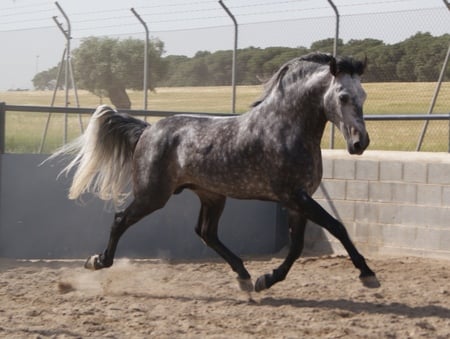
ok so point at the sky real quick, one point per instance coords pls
(32, 41)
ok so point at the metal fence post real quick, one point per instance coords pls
(2, 127)
(449, 133)
(335, 45)
(145, 84)
(68, 35)
(233, 66)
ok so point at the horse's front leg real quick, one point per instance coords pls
(212, 206)
(297, 224)
(316, 213)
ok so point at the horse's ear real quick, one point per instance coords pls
(365, 62)
(360, 66)
(333, 66)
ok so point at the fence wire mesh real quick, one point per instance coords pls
(395, 88)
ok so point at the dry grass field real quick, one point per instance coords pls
(24, 130)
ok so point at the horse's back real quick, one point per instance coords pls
(190, 133)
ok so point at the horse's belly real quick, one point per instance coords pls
(238, 187)
(249, 191)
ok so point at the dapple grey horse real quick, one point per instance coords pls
(270, 153)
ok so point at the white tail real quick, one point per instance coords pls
(103, 155)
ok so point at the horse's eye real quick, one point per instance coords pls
(344, 98)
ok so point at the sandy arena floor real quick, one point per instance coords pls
(322, 297)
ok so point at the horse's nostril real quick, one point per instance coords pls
(358, 148)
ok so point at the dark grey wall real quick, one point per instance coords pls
(38, 221)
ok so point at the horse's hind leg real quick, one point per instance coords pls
(297, 224)
(122, 221)
(212, 206)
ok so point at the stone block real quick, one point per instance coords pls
(429, 195)
(440, 217)
(446, 196)
(344, 169)
(415, 172)
(390, 214)
(433, 216)
(404, 193)
(391, 171)
(395, 234)
(361, 232)
(357, 190)
(380, 191)
(331, 189)
(367, 170)
(444, 241)
(439, 173)
(344, 210)
(366, 212)
(327, 165)
(426, 238)
(411, 215)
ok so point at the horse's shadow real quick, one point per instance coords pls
(359, 307)
(330, 304)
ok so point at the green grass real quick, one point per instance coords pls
(24, 130)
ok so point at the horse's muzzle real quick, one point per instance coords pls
(358, 143)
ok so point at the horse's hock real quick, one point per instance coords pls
(390, 202)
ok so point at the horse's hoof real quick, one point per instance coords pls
(261, 283)
(370, 281)
(93, 263)
(245, 285)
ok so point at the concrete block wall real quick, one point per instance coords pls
(390, 202)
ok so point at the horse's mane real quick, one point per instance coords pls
(307, 64)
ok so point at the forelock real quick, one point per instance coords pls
(349, 65)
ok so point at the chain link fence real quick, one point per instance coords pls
(401, 135)
(302, 28)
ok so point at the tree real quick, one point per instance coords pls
(106, 66)
(220, 67)
(109, 66)
(46, 79)
(326, 45)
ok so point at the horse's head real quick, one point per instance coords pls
(343, 102)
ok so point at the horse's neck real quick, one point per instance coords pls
(303, 118)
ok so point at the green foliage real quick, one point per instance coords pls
(418, 58)
(103, 62)
(108, 66)
(46, 79)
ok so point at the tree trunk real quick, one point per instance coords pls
(119, 97)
